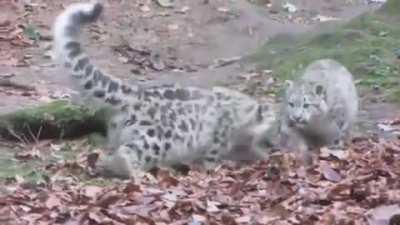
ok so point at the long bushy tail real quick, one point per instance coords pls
(68, 51)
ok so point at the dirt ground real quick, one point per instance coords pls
(140, 41)
(192, 43)
(196, 43)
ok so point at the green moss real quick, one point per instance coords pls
(59, 119)
(55, 120)
(101, 182)
(391, 7)
(10, 168)
(97, 139)
(366, 46)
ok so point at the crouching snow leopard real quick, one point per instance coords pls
(164, 125)
(320, 108)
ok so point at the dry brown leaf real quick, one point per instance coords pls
(91, 191)
(228, 219)
(329, 173)
(109, 198)
(53, 201)
(334, 191)
(33, 153)
(165, 179)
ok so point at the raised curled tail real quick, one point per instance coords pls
(68, 50)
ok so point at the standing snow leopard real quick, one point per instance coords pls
(164, 125)
(320, 108)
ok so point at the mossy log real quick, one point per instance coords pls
(59, 119)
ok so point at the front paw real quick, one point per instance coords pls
(210, 165)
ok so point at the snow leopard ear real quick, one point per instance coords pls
(288, 84)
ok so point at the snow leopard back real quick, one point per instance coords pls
(160, 125)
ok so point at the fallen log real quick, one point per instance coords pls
(59, 119)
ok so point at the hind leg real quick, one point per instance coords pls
(221, 143)
(213, 154)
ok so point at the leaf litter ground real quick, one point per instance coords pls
(358, 186)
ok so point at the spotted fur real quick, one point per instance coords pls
(321, 106)
(163, 125)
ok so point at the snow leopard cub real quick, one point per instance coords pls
(164, 125)
(320, 108)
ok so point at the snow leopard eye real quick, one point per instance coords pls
(291, 104)
(306, 105)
